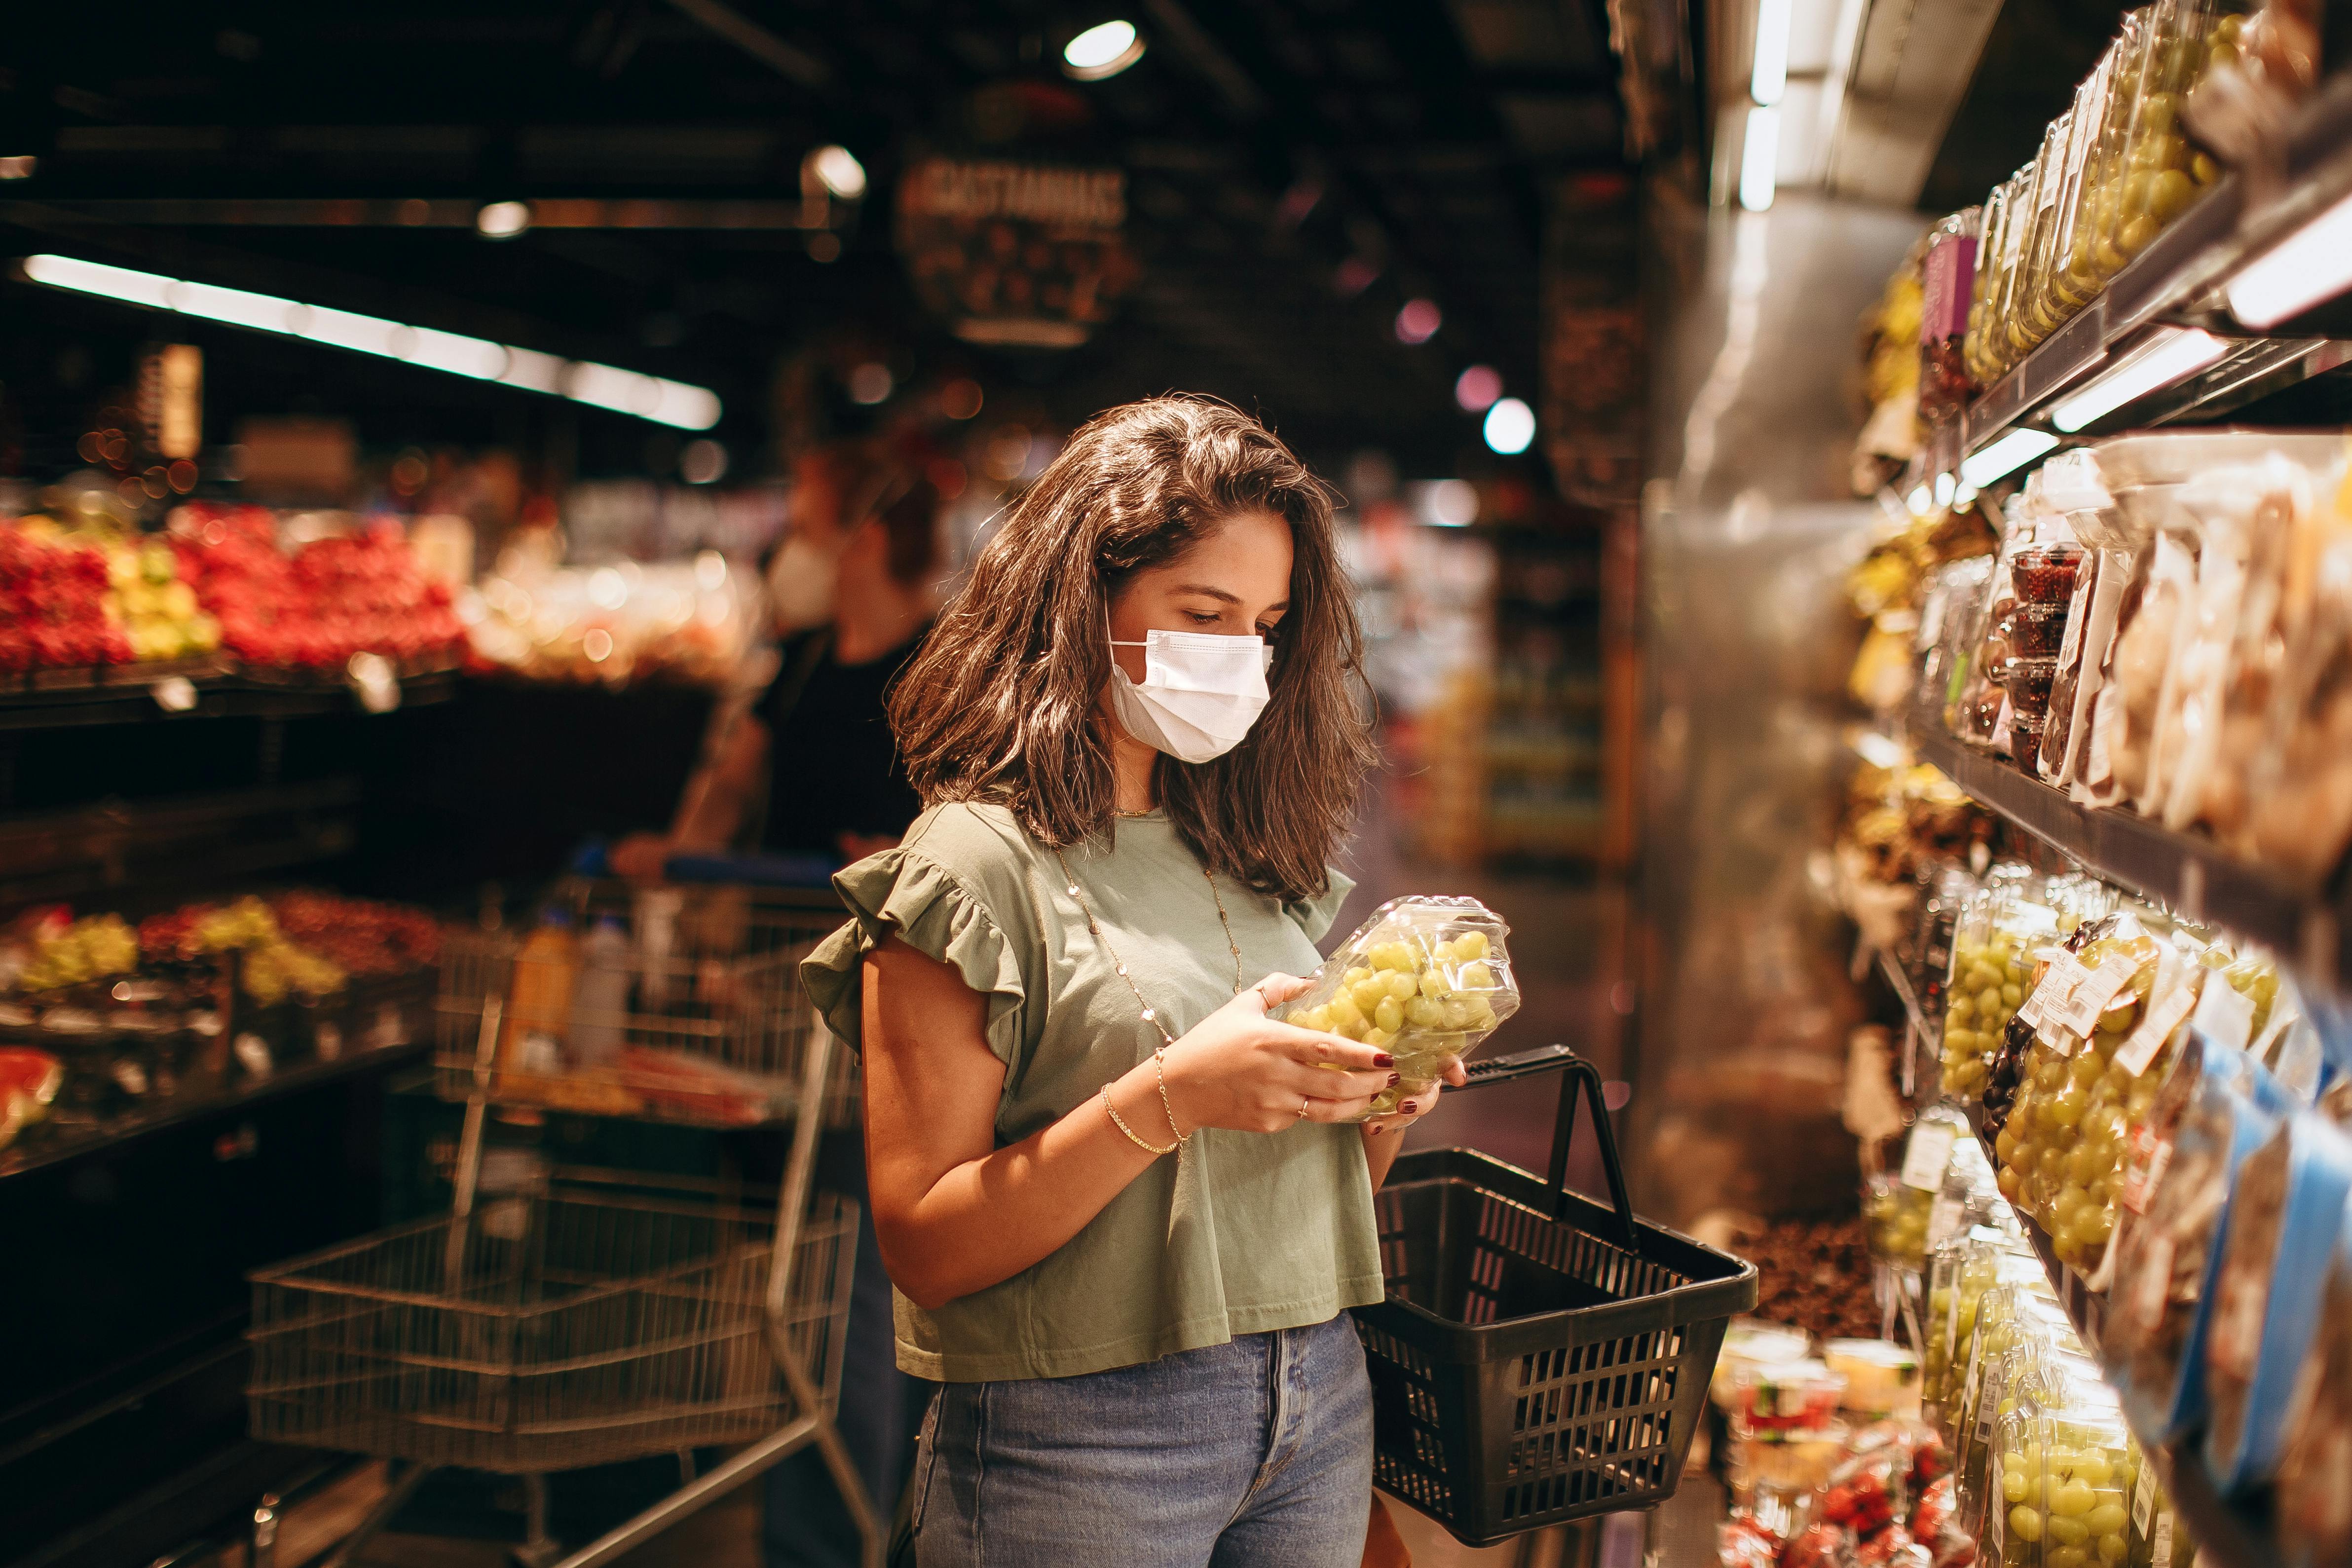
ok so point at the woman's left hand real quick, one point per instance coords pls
(1416, 1106)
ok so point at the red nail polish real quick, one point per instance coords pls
(1395, 1078)
(1384, 1060)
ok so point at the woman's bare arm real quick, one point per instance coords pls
(955, 1214)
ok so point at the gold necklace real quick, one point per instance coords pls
(1094, 929)
(1151, 1014)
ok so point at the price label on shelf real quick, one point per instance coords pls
(2163, 1545)
(2058, 983)
(2144, 1498)
(1943, 1219)
(1928, 1156)
(2097, 990)
(2166, 1014)
(2225, 1013)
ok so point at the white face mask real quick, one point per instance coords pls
(801, 582)
(1200, 694)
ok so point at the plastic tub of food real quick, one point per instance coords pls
(2045, 573)
(1881, 1379)
(2039, 631)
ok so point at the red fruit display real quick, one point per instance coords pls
(53, 603)
(314, 608)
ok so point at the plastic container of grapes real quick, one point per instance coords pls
(1425, 979)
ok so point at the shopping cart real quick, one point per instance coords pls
(600, 1316)
(1540, 1357)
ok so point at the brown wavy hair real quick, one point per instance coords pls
(1002, 704)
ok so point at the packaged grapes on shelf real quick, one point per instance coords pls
(2286, 1213)
(2062, 1147)
(1898, 1205)
(2161, 1303)
(2063, 1475)
(1994, 950)
(1425, 979)
(2019, 1325)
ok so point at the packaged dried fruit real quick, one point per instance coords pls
(1947, 276)
(2313, 1490)
(2298, 784)
(2161, 1306)
(1425, 979)
(2283, 1217)
(1978, 350)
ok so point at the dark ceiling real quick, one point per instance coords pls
(1269, 144)
(2038, 51)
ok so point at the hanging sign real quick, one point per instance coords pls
(1016, 253)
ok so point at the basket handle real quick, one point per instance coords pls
(1577, 1074)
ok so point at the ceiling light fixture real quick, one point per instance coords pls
(839, 172)
(664, 402)
(2006, 455)
(1768, 77)
(2171, 355)
(1102, 51)
(1510, 426)
(2311, 265)
(502, 220)
(1760, 157)
(1475, 389)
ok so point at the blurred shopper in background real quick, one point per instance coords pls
(812, 768)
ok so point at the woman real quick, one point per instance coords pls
(1125, 1210)
(852, 590)
(812, 769)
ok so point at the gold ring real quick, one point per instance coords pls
(1303, 1101)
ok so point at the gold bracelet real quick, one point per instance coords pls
(1159, 1066)
(1120, 1122)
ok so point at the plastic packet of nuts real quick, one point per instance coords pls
(1425, 979)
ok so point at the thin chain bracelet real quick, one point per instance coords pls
(1120, 1122)
(1159, 1066)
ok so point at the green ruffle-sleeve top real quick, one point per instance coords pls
(1245, 1232)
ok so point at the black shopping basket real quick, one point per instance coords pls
(1540, 1357)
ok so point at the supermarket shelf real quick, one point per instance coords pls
(2177, 281)
(195, 688)
(2192, 876)
(2227, 1536)
(201, 1096)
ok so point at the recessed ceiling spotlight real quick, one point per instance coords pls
(1510, 426)
(839, 169)
(502, 220)
(1102, 50)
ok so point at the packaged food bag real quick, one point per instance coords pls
(1425, 979)
(2286, 1211)
(2161, 1306)
(2313, 1492)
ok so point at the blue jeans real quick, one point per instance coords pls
(1254, 1454)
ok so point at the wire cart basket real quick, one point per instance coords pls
(1540, 1357)
(603, 1316)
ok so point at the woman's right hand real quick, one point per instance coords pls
(1240, 1069)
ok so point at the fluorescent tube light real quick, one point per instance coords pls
(1759, 156)
(2312, 264)
(2008, 455)
(2172, 355)
(478, 359)
(1769, 79)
